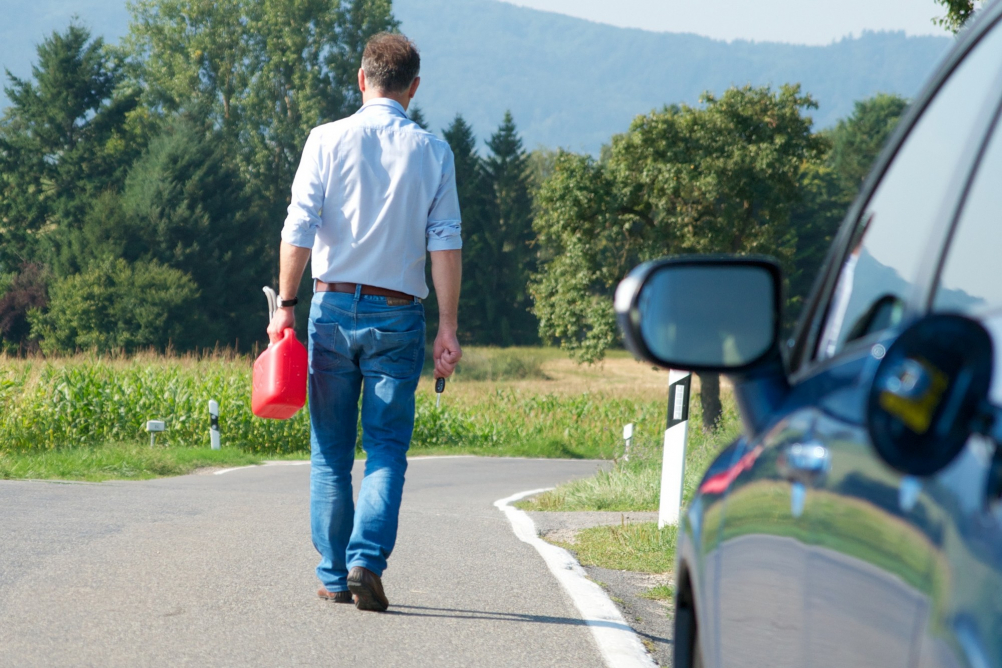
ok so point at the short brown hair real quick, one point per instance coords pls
(391, 62)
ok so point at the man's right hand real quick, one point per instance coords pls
(447, 353)
(282, 320)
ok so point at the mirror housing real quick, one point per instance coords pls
(702, 313)
(930, 393)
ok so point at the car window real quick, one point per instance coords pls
(968, 282)
(888, 245)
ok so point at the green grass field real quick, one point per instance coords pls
(635, 485)
(83, 417)
(118, 461)
(640, 547)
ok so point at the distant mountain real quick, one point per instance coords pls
(574, 83)
(569, 82)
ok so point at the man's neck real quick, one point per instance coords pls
(403, 99)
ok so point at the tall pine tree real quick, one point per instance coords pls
(63, 141)
(470, 184)
(417, 116)
(506, 259)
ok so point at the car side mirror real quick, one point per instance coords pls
(702, 313)
(930, 393)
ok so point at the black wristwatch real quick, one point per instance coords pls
(285, 303)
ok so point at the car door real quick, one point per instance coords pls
(874, 535)
(965, 624)
(761, 556)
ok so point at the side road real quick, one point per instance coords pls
(218, 570)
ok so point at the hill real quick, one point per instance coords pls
(569, 82)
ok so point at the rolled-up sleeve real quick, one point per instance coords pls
(444, 229)
(301, 224)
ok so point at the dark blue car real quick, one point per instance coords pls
(858, 521)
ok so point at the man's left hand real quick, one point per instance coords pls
(447, 353)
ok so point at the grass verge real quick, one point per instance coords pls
(660, 593)
(636, 485)
(117, 461)
(641, 547)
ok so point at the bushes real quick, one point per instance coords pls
(19, 294)
(118, 306)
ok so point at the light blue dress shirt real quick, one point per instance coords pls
(372, 192)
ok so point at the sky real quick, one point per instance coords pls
(792, 21)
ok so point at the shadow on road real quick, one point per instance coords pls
(455, 613)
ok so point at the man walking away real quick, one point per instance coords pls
(371, 193)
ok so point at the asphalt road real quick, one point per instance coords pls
(219, 570)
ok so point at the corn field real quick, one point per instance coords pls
(88, 400)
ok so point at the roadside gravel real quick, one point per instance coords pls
(652, 620)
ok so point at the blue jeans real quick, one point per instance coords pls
(360, 345)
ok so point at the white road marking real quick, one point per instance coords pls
(292, 462)
(619, 644)
(426, 457)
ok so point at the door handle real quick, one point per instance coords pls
(804, 463)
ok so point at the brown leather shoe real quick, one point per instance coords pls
(336, 596)
(368, 590)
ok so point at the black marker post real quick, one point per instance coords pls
(676, 438)
(214, 424)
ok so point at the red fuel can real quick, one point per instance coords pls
(280, 379)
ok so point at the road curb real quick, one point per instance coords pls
(619, 644)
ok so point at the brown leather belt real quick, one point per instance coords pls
(366, 290)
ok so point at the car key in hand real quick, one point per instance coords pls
(439, 389)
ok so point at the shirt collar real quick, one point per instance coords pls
(385, 102)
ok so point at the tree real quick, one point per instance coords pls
(192, 56)
(957, 13)
(585, 249)
(263, 72)
(470, 189)
(497, 233)
(118, 306)
(417, 116)
(720, 178)
(65, 139)
(184, 206)
(858, 140)
(503, 259)
(21, 293)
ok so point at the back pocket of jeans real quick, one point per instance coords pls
(396, 354)
(323, 345)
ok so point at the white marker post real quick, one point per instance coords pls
(214, 424)
(628, 437)
(155, 427)
(676, 437)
